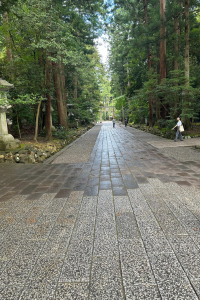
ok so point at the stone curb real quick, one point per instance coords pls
(52, 158)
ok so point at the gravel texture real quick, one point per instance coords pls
(81, 149)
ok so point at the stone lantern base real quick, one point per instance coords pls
(7, 142)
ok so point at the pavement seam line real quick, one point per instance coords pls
(119, 255)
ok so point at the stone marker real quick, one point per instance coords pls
(7, 141)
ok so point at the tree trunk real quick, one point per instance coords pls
(176, 63)
(162, 52)
(149, 68)
(48, 134)
(20, 136)
(7, 38)
(75, 88)
(176, 42)
(36, 121)
(64, 96)
(59, 95)
(187, 62)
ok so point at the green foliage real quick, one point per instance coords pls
(63, 32)
(132, 38)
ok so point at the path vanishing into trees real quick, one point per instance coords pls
(123, 223)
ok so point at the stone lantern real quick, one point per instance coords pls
(7, 141)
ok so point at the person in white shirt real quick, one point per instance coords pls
(178, 133)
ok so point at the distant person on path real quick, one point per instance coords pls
(178, 133)
(113, 123)
(120, 122)
(126, 122)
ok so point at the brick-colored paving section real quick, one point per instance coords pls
(124, 225)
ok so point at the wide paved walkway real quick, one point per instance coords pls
(124, 225)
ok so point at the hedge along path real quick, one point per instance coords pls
(81, 149)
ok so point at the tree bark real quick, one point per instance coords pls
(176, 42)
(149, 68)
(162, 52)
(36, 121)
(7, 38)
(187, 62)
(48, 134)
(75, 88)
(59, 95)
(64, 96)
(20, 136)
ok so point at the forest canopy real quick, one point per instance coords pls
(155, 60)
(47, 50)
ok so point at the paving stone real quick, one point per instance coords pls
(55, 207)
(134, 262)
(19, 268)
(29, 189)
(119, 191)
(131, 185)
(116, 181)
(10, 292)
(43, 279)
(156, 242)
(169, 290)
(106, 280)
(142, 292)
(188, 255)
(106, 245)
(63, 193)
(171, 278)
(105, 185)
(78, 260)
(13, 202)
(128, 215)
(91, 191)
(84, 226)
(192, 227)
(122, 204)
(126, 226)
(196, 286)
(58, 241)
(72, 291)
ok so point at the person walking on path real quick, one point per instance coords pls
(178, 133)
(125, 122)
(113, 123)
(120, 122)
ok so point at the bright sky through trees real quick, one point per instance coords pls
(102, 46)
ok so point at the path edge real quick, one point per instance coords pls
(50, 159)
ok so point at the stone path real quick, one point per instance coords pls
(181, 151)
(124, 225)
(80, 150)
